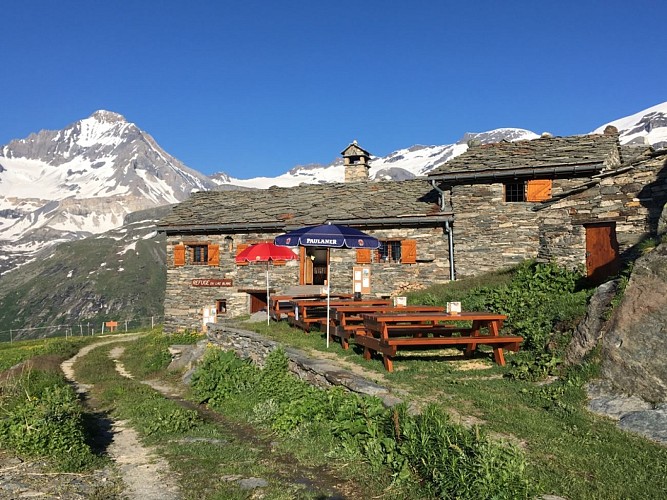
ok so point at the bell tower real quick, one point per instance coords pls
(356, 162)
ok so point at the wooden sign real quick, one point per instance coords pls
(212, 282)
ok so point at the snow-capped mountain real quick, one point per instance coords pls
(60, 185)
(646, 127)
(400, 165)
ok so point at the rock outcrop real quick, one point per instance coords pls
(589, 332)
(634, 345)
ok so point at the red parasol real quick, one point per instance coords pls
(265, 252)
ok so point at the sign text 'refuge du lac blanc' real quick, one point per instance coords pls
(212, 282)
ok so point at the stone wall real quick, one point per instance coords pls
(489, 233)
(184, 302)
(318, 372)
(633, 199)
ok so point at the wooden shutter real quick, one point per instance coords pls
(239, 248)
(279, 262)
(179, 255)
(214, 255)
(538, 190)
(363, 255)
(408, 251)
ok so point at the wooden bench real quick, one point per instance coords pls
(385, 333)
(282, 306)
(311, 312)
(348, 320)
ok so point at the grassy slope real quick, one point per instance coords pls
(571, 452)
(72, 287)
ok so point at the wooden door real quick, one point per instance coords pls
(306, 267)
(257, 302)
(601, 251)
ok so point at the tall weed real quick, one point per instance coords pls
(425, 451)
(41, 416)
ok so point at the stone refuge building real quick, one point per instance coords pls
(581, 201)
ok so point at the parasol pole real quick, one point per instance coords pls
(328, 294)
(267, 291)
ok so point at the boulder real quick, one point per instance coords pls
(634, 345)
(590, 330)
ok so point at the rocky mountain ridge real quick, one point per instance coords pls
(68, 184)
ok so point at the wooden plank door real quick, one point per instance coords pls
(306, 267)
(601, 251)
(257, 302)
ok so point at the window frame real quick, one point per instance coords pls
(391, 251)
(512, 191)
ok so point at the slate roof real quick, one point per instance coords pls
(366, 203)
(593, 149)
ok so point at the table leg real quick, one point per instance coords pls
(367, 353)
(471, 347)
(388, 362)
(498, 356)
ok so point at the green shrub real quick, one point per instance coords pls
(41, 416)
(223, 374)
(456, 462)
(426, 451)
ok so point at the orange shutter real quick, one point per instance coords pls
(538, 190)
(304, 261)
(214, 255)
(409, 252)
(239, 248)
(279, 262)
(363, 255)
(179, 255)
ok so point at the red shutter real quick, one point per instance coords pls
(214, 255)
(538, 190)
(179, 255)
(363, 255)
(409, 252)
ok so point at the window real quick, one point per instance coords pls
(196, 254)
(390, 251)
(514, 192)
(199, 254)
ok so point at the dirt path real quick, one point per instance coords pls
(146, 475)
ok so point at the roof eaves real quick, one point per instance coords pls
(551, 171)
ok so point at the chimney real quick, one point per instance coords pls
(356, 162)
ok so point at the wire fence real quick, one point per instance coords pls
(87, 328)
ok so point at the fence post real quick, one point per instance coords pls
(125, 326)
(10, 336)
(102, 328)
(152, 324)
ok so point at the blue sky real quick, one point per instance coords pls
(257, 87)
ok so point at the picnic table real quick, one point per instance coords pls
(348, 320)
(282, 305)
(386, 332)
(310, 312)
